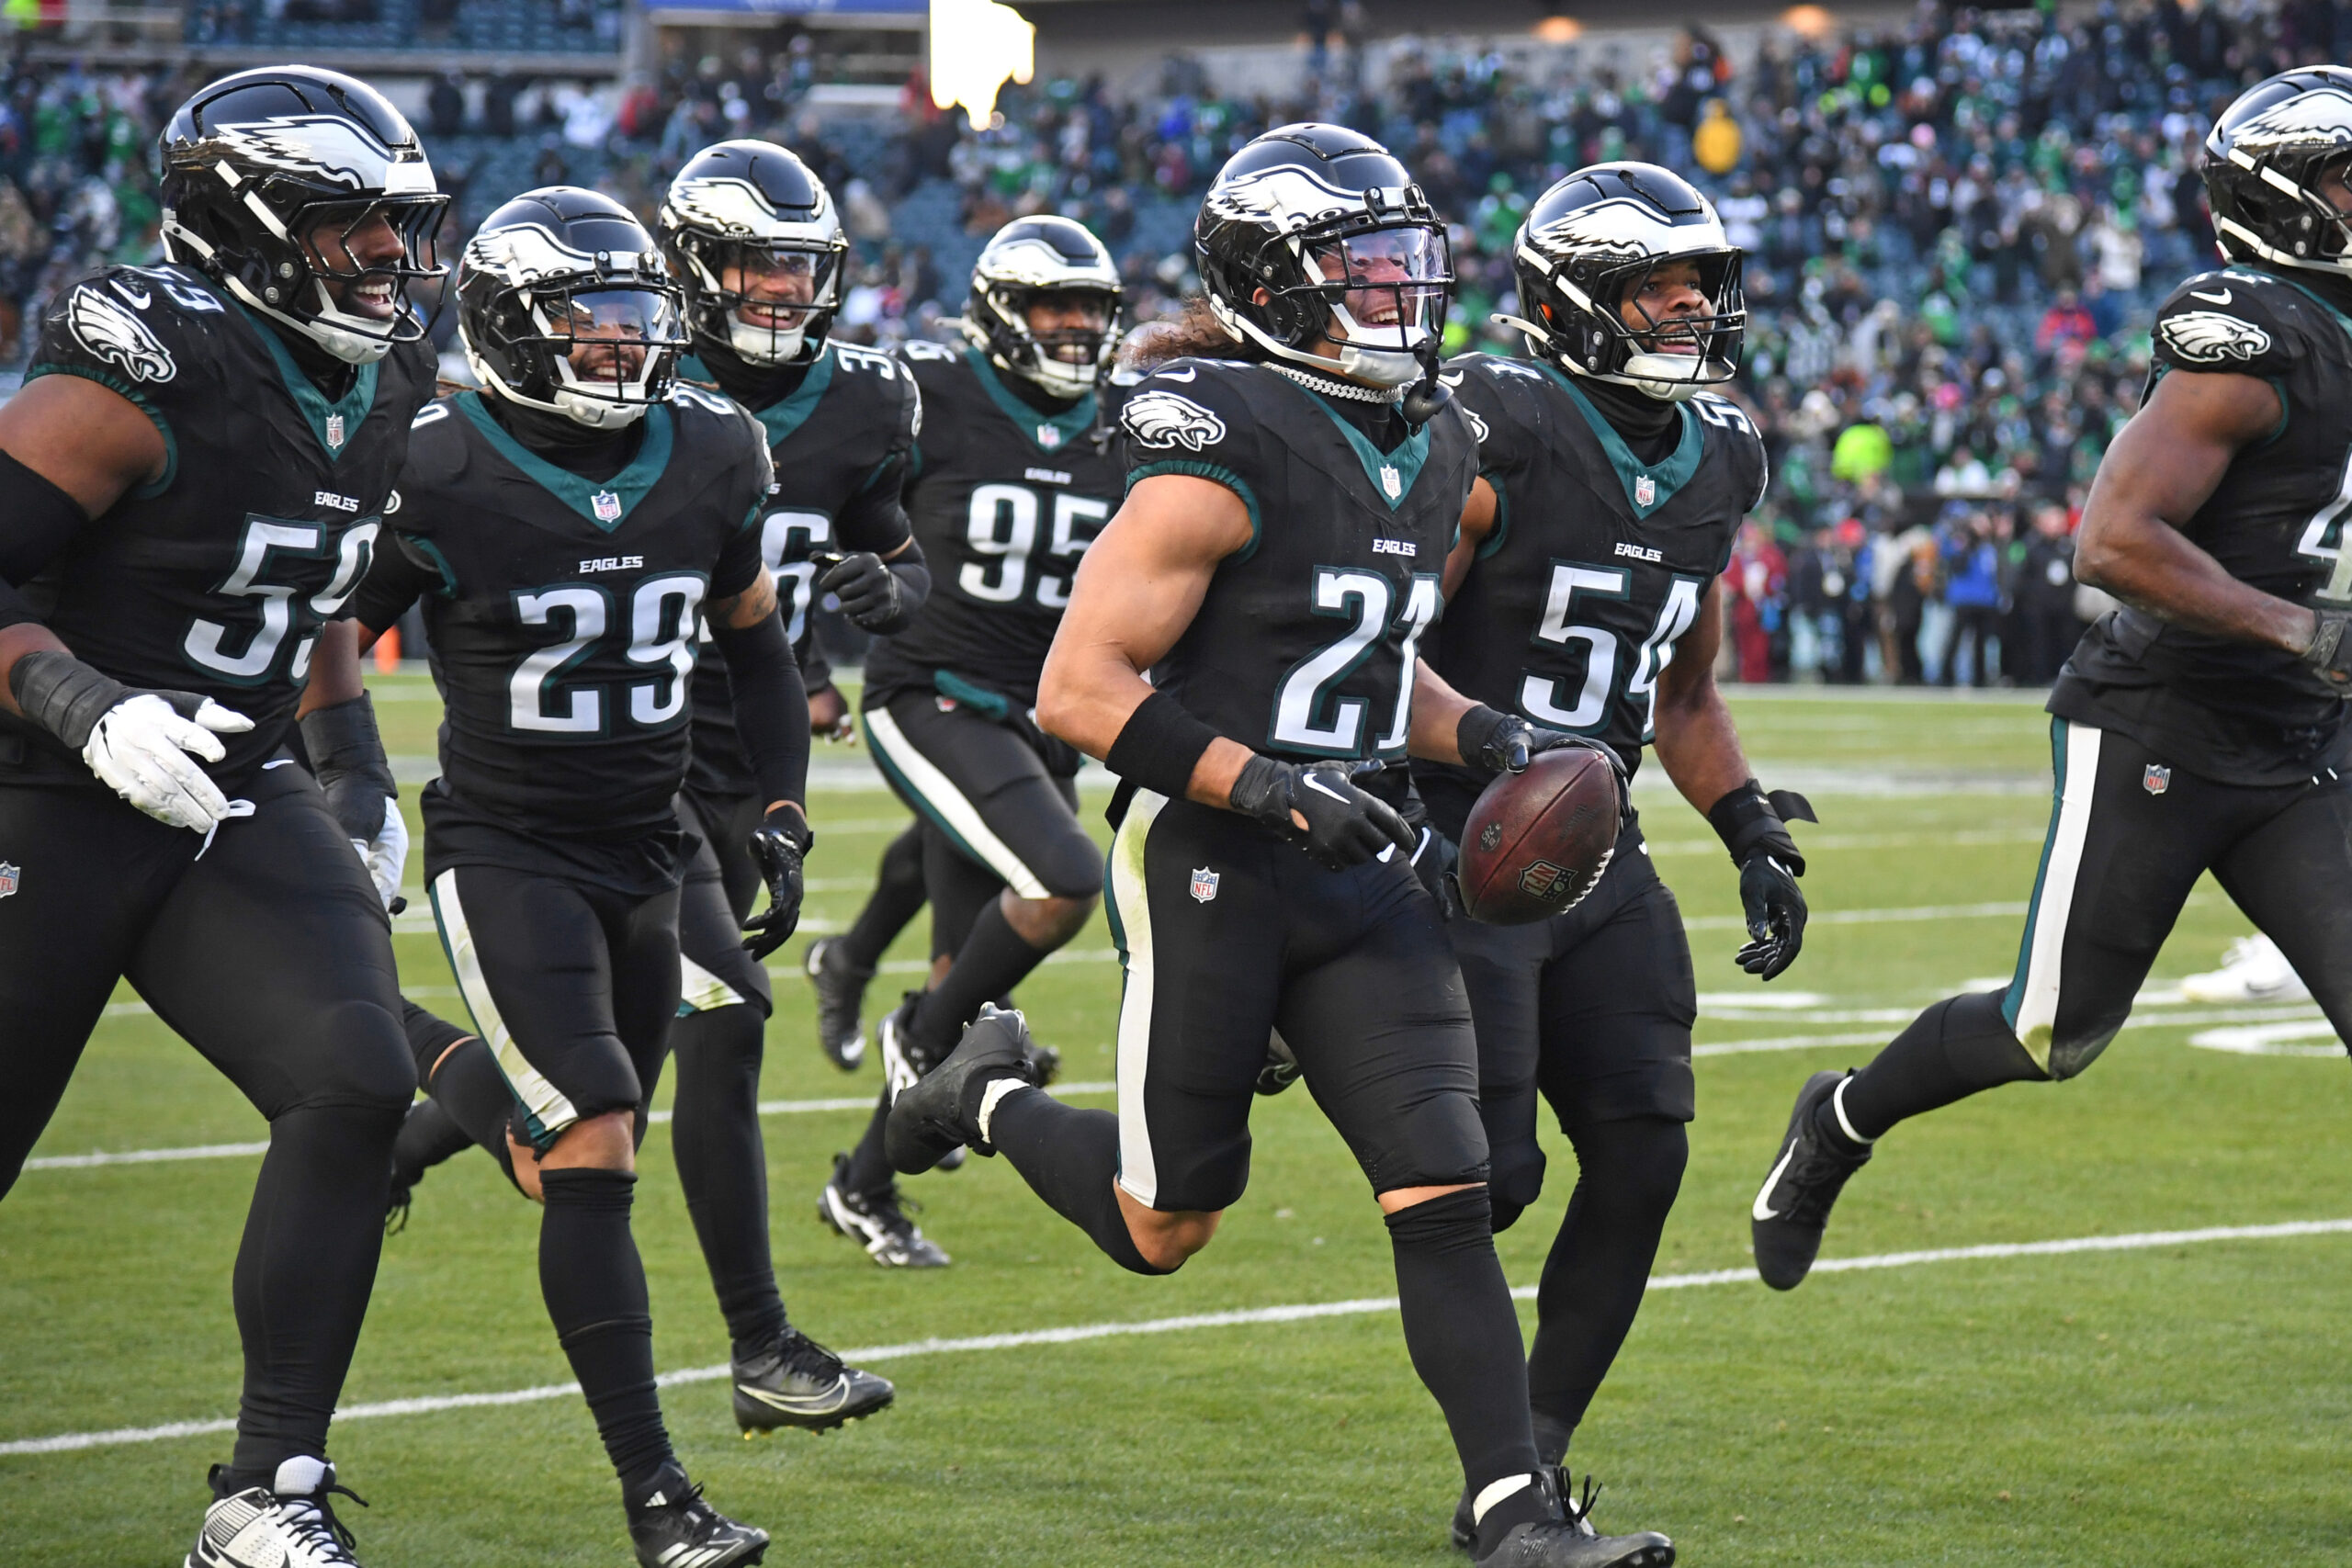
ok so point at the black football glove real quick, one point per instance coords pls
(2330, 651)
(1345, 827)
(1495, 743)
(779, 844)
(1754, 827)
(348, 759)
(871, 596)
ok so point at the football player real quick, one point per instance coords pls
(1275, 565)
(191, 484)
(1012, 477)
(752, 237)
(1583, 597)
(569, 529)
(2201, 726)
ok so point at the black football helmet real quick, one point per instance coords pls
(564, 306)
(1308, 214)
(1588, 245)
(269, 175)
(2265, 160)
(754, 208)
(1030, 257)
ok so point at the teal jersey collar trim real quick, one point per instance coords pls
(1067, 425)
(621, 493)
(1663, 478)
(1391, 474)
(327, 420)
(785, 414)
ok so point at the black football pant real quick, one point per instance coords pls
(1590, 1012)
(269, 952)
(715, 1050)
(2129, 834)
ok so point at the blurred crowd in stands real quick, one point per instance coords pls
(1957, 230)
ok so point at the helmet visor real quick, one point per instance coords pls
(611, 337)
(779, 286)
(1392, 284)
(364, 254)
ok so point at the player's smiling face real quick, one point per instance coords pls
(345, 253)
(774, 286)
(611, 331)
(1067, 324)
(1669, 294)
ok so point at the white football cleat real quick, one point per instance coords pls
(288, 1524)
(2254, 970)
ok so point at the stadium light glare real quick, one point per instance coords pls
(1809, 21)
(976, 47)
(1559, 30)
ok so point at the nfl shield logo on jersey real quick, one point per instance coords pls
(2158, 779)
(1391, 480)
(8, 880)
(1644, 491)
(1203, 884)
(1048, 437)
(608, 506)
(334, 431)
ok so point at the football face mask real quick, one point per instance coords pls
(1384, 292)
(612, 345)
(770, 293)
(362, 256)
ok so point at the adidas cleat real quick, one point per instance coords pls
(1792, 1208)
(932, 1116)
(675, 1529)
(841, 999)
(878, 1221)
(798, 1383)
(288, 1524)
(1569, 1540)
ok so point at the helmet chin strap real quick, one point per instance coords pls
(1666, 381)
(588, 413)
(767, 348)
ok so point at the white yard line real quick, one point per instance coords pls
(1078, 1333)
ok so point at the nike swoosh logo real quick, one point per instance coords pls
(1452, 380)
(818, 1404)
(1319, 787)
(1763, 1211)
(2221, 298)
(280, 762)
(1173, 375)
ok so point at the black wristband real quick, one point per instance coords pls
(1746, 818)
(62, 694)
(1160, 746)
(341, 739)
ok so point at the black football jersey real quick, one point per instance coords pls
(1306, 643)
(216, 578)
(2232, 711)
(840, 445)
(1004, 498)
(1596, 563)
(563, 615)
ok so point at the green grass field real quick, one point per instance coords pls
(2175, 1404)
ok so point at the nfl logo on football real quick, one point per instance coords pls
(8, 880)
(1204, 885)
(334, 431)
(608, 506)
(1644, 491)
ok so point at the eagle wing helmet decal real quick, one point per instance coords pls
(112, 334)
(2209, 337)
(1163, 418)
(326, 148)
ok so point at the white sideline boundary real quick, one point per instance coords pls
(2142, 1241)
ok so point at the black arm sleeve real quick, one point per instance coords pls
(41, 519)
(399, 574)
(771, 707)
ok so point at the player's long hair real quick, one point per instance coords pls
(1196, 333)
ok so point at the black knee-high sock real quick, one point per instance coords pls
(870, 1166)
(470, 1088)
(992, 960)
(722, 1165)
(303, 1274)
(1068, 1157)
(594, 1285)
(897, 899)
(1960, 1046)
(1628, 1174)
(1463, 1333)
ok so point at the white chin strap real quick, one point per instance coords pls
(1059, 377)
(581, 408)
(2262, 251)
(1374, 366)
(1668, 378)
(766, 346)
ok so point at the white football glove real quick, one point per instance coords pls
(147, 750)
(386, 857)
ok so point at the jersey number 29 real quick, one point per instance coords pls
(664, 613)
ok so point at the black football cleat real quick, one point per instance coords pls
(878, 1221)
(798, 1383)
(1568, 1540)
(675, 1529)
(841, 999)
(1792, 1208)
(929, 1118)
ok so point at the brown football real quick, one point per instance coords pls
(1536, 842)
